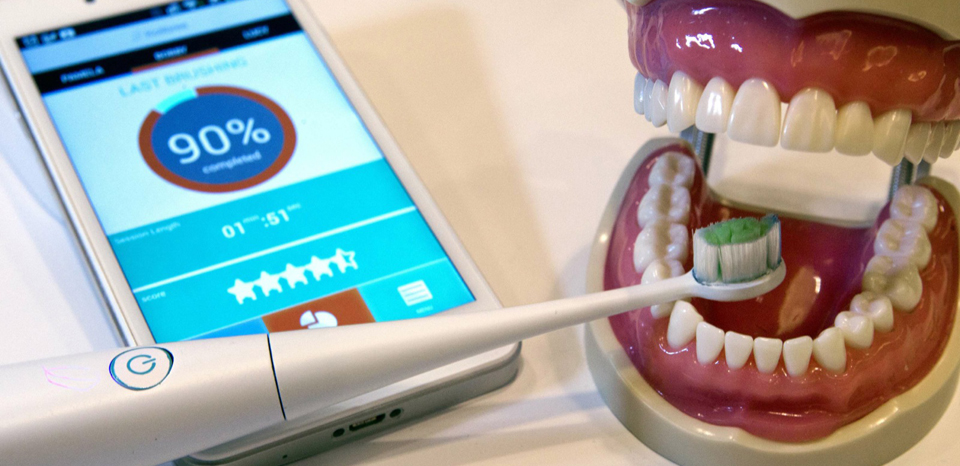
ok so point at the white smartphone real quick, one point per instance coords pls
(225, 176)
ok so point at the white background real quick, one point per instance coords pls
(518, 116)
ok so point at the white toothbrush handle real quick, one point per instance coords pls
(73, 410)
(346, 361)
(146, 405)
(315, 369)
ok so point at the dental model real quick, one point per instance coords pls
(855, 357)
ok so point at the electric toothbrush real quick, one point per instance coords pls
(146, 405)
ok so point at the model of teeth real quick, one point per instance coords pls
(814, 86)
(824, 321)
(864, 313)
(752, 113)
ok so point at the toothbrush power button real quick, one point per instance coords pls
(141, 368)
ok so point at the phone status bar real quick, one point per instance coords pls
(72, 32)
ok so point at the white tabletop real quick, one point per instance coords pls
(518, 116)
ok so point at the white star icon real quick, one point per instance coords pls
(294, 275)
(242, 291)
(268, 283)
(344, 260)
(319, 267)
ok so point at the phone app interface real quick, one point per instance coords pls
(240, 190)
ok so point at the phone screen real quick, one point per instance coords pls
(239, 188)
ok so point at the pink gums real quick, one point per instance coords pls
(825, 266)
(885, 62)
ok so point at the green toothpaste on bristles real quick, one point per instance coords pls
(736, 250)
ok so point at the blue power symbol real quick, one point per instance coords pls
(150, 364)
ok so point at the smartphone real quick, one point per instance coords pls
(225, 175)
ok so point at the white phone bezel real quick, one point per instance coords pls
(22, 17)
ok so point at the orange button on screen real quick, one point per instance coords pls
(346, 308)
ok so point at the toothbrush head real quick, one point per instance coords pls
(736, 250)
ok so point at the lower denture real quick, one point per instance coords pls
(825, 269)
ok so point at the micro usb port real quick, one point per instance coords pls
(367, 422)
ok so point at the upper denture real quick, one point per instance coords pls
(886, 63)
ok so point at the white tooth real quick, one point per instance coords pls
(682, 98)
(683, 324)
(857, 329)
(903, 239)
(811, 122)
(755, 114)
(660, 270)
(829, 351)
(854, 129)
(796, 355)
(897, 279)
(709, 343)
(877, 307)
(713, 111)
(932, 152)
(766, 353)
(647, 101)
(658, 104)
(950, 139)
(672, 168)
(915, 204)
(890, 134)
(737, 348)
(638, 84)
(916, 141)
(664, 202)
(660, 240)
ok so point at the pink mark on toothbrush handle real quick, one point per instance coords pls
(76, 378)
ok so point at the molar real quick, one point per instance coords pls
(657, 112)
(829, 350)
(709, 343)
(766, 353)
(660, 270)
(916, 204)
(713, 110)
(854, 129)
(638, 84)
(890, 135)
(810, 122)
(682, 98)
(897, 279)
(660, 240)
(683, 324)
(737, 348)
(796, 355)
(905, 239)
(916, 141)
(877, 307)
(664, 202)
(857, 329)
(674, 169)
(755, 114)
(934, 144)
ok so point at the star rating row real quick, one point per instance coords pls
(293, 276)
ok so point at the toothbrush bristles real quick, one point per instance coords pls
(736, 250)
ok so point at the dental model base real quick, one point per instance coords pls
(791, 377)
(150, 404)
